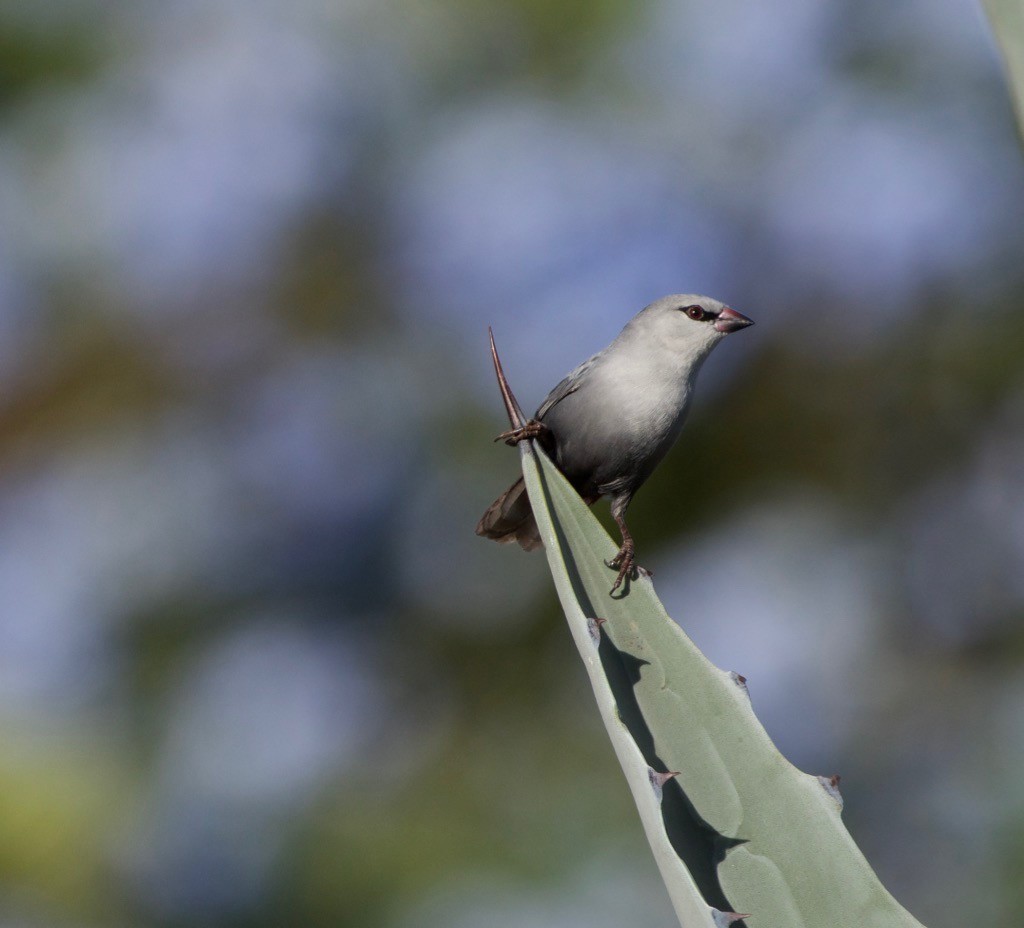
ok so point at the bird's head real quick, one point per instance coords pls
(689, 323)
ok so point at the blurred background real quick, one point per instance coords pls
(255, 667)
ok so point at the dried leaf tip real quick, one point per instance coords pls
(512, 407)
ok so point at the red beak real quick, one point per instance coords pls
(731, 321)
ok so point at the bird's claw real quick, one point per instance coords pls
(532, 429)
(626, 565)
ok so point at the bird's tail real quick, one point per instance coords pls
(510, 518)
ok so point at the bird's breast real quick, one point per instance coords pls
(648, 399)
(619, 424)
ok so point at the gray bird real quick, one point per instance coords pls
(611, 420)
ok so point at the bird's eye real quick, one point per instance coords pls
(696, 313)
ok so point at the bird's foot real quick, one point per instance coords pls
(626, 565)
(532, 429)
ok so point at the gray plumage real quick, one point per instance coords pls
(609, 423)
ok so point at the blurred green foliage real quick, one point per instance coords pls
(254, 666)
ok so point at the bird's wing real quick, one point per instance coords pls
(570, 384)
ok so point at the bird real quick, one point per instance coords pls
(611, 420)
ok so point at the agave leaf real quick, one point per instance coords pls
(1007, 18)
(733, 825)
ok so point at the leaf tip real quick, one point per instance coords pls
(515, 413)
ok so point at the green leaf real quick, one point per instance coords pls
(739, 829)
(1007, 18)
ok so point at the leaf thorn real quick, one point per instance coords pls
(658, 780)
(724, 919)
(594, 629)
(831, 786)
